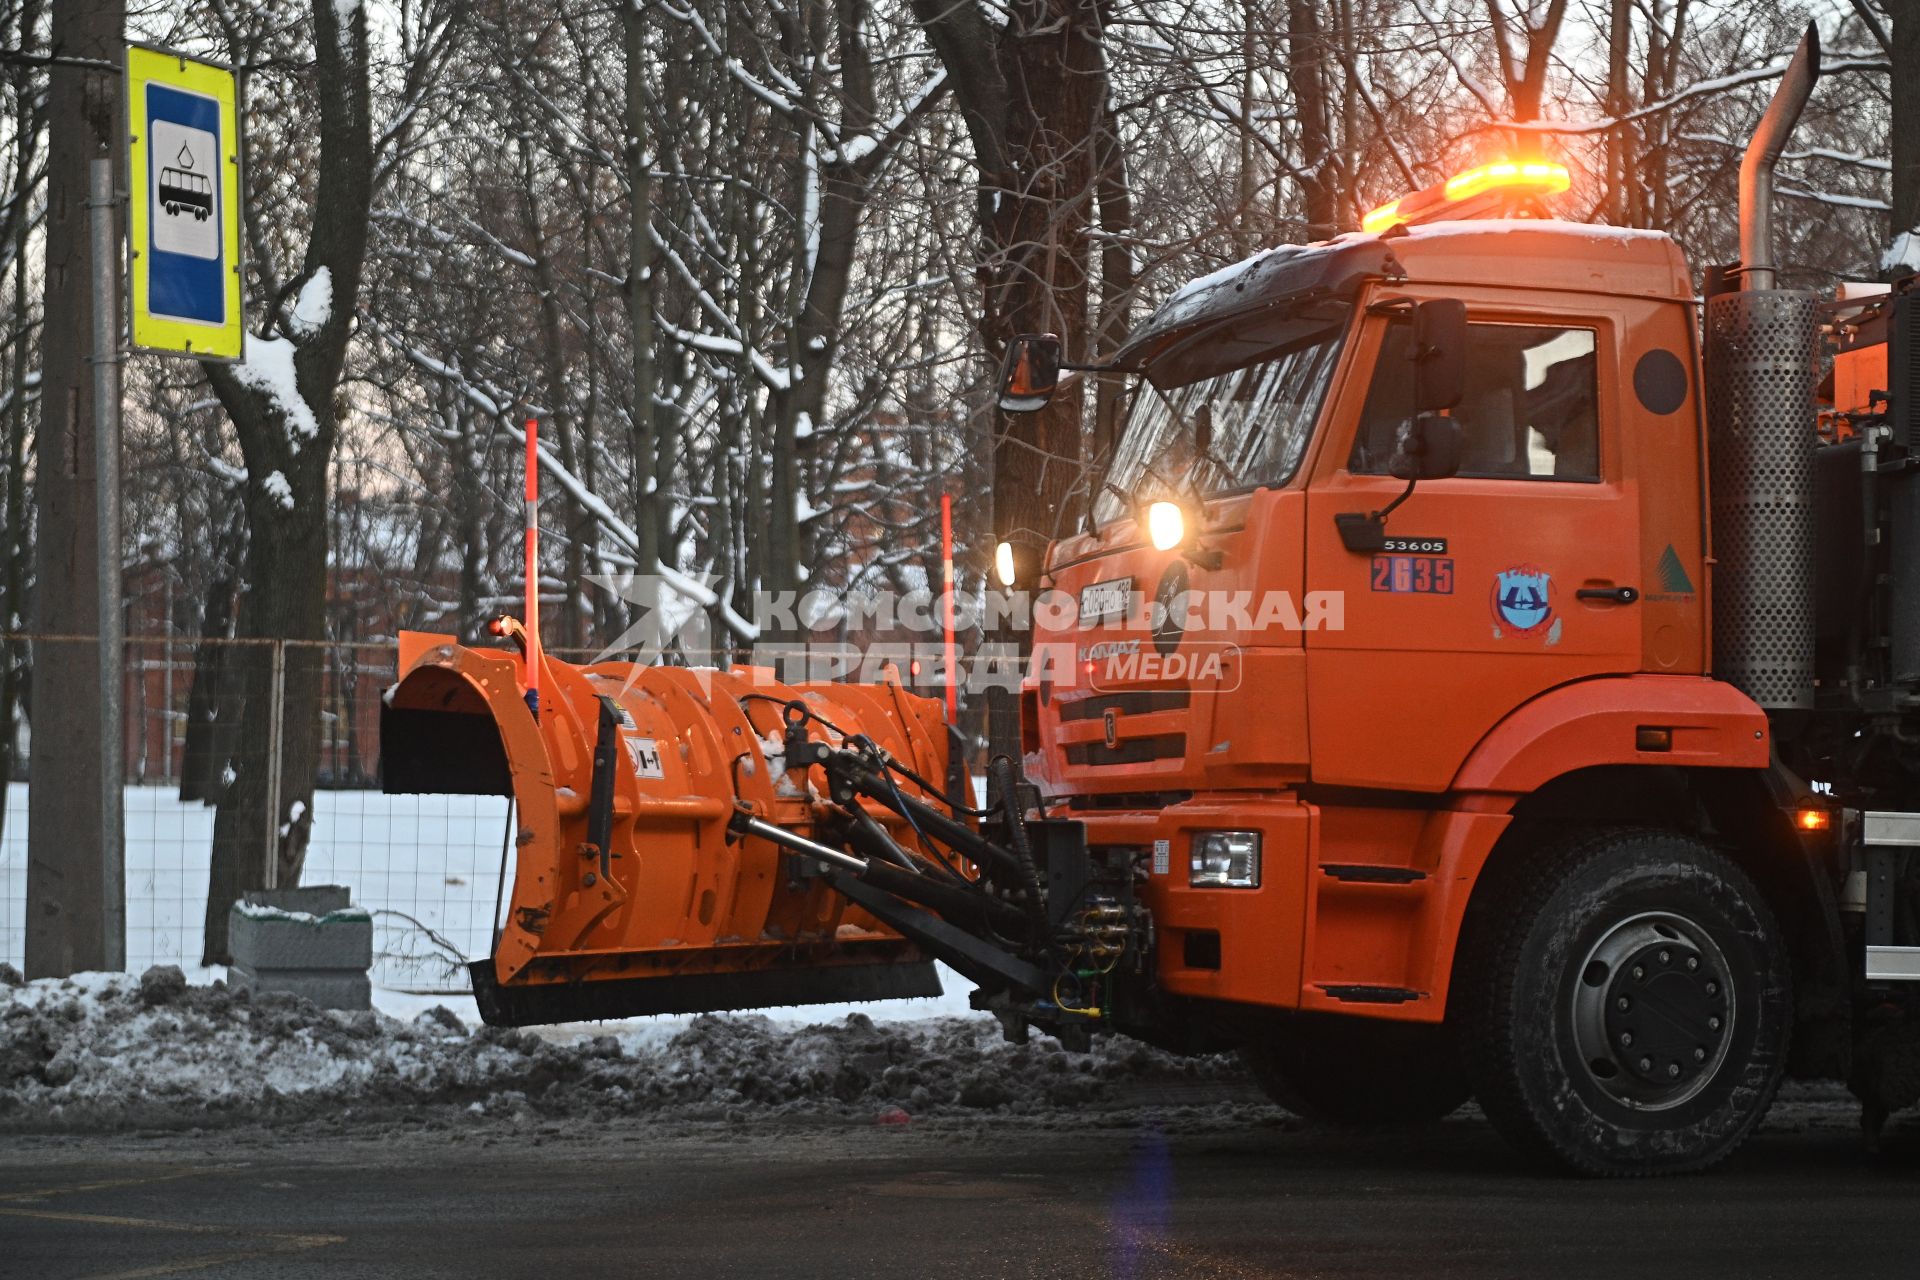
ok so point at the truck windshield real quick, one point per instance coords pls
(1234, 429)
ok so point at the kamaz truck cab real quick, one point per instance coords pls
(1499, 698)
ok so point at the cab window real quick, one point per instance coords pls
(1530, 410)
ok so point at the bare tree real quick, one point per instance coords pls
(25, 120)
(281, 400)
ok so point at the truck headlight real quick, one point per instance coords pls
(1166, 525)
(1225, 860)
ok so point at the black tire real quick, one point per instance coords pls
(1625, 1004)
(1359, 1073)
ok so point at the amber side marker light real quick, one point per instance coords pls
(1813, 819)
(1648, 738)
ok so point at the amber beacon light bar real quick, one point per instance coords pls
(1512, 187)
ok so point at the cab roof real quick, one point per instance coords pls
(1524, 253)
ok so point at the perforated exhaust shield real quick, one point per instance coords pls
(1761, 370)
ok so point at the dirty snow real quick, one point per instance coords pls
(107, 1051)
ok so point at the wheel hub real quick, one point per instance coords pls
(1652, 1010)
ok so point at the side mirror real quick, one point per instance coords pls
(1439, 354)
(1429, 448)
(1030, 372)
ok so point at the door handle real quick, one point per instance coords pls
(1613, 595)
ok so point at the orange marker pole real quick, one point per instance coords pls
(533, 566)
(946, 606)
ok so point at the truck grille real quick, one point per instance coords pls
(1137, 702)
(1159, 746)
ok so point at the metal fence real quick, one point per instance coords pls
(429, 867)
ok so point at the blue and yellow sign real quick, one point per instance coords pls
(183, 171)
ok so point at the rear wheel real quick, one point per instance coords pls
(1359, 1072)
(1627, 1004)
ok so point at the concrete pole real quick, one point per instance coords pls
(76, 892)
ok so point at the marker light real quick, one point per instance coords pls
(1542, 176)
(1003, 567)
(1811, 819)
(1166, 525)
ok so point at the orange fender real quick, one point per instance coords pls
(1597, 722)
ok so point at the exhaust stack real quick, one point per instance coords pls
(1763, 153)
(1762, 366)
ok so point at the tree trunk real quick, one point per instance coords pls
(287, 542)
(75, 893)
(1620, 171)
(213, 703)
(1032, 97)
(650, 459)
(1307, 50)
(18, 526)
(1906, 115)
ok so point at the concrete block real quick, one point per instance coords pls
(309, 941)
(297, 942)
(328, 988)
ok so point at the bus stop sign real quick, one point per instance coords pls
(183, 173)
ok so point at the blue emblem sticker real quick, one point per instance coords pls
(1523, 599)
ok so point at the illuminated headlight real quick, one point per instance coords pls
(1166, 525)
(1003, 564)
(1225, 860)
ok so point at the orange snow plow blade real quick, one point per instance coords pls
(636, 887)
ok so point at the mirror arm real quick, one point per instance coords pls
(1382, 514)
(1365, 532)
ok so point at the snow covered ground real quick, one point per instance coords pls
(109, 1051)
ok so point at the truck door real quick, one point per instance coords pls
(1517, 575)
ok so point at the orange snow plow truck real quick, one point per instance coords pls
(1491, 673)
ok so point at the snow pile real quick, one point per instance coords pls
(109, 1051)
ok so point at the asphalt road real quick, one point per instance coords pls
(794, 1199)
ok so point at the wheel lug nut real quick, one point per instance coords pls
(1699, 1055)
(1673, 1069)
(1713, 988)
(1693, 962)
(1646, 1064)
(1626, 1039)
(1639, 971)
(1623, 1004)
(1713, 1024)
(1666, 957)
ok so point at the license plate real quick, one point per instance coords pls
(1104, 600)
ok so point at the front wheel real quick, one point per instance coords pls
(1627, 1004)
